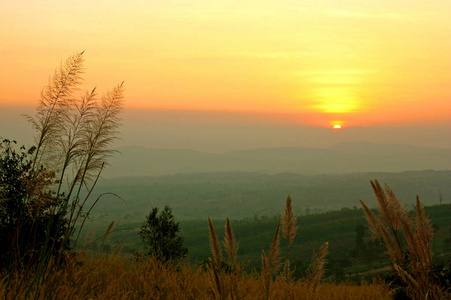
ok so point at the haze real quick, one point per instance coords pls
(218, 76)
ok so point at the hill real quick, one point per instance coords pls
(341, 158)
(241, 195)
(345, 259)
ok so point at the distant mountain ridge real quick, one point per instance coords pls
(358, 156)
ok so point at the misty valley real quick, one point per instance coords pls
(327, 207)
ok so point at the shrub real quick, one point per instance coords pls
(27, 223)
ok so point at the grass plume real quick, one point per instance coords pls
(73, 141)
(316, 270)
(271, 263)
(214, 244)
(230, 244)
(406, 240)
(289, 222)
(56, 97)
(289, 233)
(215, 264)
(234, 268)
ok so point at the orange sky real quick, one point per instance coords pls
(351, 62)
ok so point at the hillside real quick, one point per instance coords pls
(241, 195)
(345, 259)
(341, 158)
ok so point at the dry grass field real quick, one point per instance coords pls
(116, 277)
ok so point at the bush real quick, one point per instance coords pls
(27, 220)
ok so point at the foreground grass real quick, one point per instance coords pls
(117, 278)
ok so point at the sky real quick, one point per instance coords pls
(381, 69)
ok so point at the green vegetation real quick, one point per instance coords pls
(348, 258)
(244, 195)
(229, 279)
(159, 234)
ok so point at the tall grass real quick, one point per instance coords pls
(224, 276)
(74, 137)
(316, 270)
(289, 233)
(407, 242)
(115, 277)
(271, 263)
(73, 140)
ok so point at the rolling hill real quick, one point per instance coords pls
(341, 158)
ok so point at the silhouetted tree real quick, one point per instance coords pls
(159, 234)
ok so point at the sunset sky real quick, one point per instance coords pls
(322, 62)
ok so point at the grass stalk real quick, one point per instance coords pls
(411, 257)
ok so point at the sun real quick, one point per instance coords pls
(336, 125)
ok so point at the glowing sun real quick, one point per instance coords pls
(337, 126)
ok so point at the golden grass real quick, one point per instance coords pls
(316, 270)
(407, 242)
(289, 233)
(271, 263)
(230, 244)
(214, 244)
(224, 276)
(118, 278)
(289, 222)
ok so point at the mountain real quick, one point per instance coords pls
(342, 158)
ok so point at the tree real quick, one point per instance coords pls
(159, 234)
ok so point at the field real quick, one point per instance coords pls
(98, 275)
(117, 278)
(326, 206)
(345, 261)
